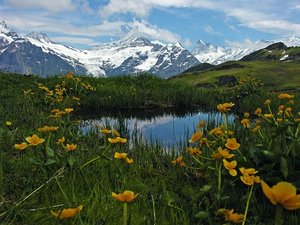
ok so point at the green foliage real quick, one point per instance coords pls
(172, 189)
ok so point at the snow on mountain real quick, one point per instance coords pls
(6, 34)
(132, 54)
(213, 54)
(208, 53)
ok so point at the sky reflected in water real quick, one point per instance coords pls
(168, 130)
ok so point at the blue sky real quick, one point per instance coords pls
(85, 23)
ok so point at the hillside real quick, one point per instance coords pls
(276, 65)
(278, 51)
(274, 74)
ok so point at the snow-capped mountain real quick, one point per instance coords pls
(208, 53)
(36, 53)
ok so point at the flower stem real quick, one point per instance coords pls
(247, 204)
(125, 209)
(219, 177)
(278, 215)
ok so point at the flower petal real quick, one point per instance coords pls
(292, 203)
(283, 190)
(233, 172)
(268, 192)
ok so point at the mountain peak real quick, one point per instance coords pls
(3, 27)
(39, 36)
(7, 30)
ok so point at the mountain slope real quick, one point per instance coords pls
(270, 65)
(36, 53)
(277, 51)
(212, 54)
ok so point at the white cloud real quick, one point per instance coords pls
(265, 15)
(143, 7)
(297, 7)
(208, 29)
(75, 40)
(247, 43)
(142, 28)
(52, 5)
(40, 22)
(187, 43)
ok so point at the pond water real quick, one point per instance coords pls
(166, 128)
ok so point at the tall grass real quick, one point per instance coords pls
(49, 176)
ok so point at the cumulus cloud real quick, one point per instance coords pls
(142, 28)
(41, 22)
(256, 14)
(53, 5)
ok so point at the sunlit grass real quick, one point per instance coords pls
(51, 172)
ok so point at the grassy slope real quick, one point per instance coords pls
(278, 75)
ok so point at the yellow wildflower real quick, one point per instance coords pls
(178, 161)
(76, 98)
(257, 111)
(47, 129)
(196, 136)
(245, 122)
(268, 115)
(255, 129)
(68, 110)
(225, 107)
(61, 140)
(117, 140)
(122, 155)
(193, 151)
(8, 123)
(115, 132)
(285, 96)
(288, 111)
(248, 177)
(71, 147)
(126, 196)
(128, 160)
(281, 107)
(55, 110)
(225, 153)
(279, 120)
(229, 216)
(232, 144)
(105, 131)
(21, 146)
(216, 131)
(282, 193)
(230, 166)
(67, 213)
(34, 140)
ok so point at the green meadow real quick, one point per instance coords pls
(275, 75)
(52, 172)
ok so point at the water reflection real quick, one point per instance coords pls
(167, 128)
